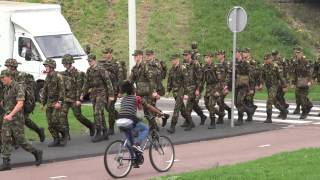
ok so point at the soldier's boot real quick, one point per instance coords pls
(38, 156)
(220, 120)
(111, 131)
(203, 119)
(303, 115)
(105, 134)
(249, 118)
(65, 137)
(185, 124)
(190, 126)
(5, 165)
(172, 128)
(212, 123)
(269, 115)
(92, 130)
(41, 134)
(280, 116)
(98, 136)
(297, 110)
(286, 105)
(240, 120)
(310, 106)
(54, 143)
(229, 112)
(284, 114)
(165, 119)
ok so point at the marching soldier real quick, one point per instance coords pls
(223, 71)
(213, 89)
(273, 79)
(115, 70)
(194, 51)
(13, 121)
(302, 80)
(71, 99)
(52, 97)
(100, 85)
(21, 77)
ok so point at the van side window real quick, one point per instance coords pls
(27, 49)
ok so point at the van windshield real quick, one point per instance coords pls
(56, 46)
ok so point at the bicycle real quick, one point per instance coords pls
(120, 157)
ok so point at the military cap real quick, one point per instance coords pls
(67, 59)
(267, 56)
(149, 52)
(208, 54)
(237, 50)
(247, 50)
(137, 52)
(107, 50)
(6, 72)
(194, 45)
(91, 57)
(274, 52)
(11, 62)
(297, 49)
(50, 62)
(175, 56)
(220, 52)
(186, 52)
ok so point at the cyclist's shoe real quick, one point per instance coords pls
(165, 119)
(136, 165)
(137, 148)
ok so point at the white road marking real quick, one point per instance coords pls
(176, 160)
(265, 145)
(57, 177)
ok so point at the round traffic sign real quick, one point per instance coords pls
(237, 19)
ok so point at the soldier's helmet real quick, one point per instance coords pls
(194, 45)
(11, 62)
(67, 59)
(50, 62)
(274, 52)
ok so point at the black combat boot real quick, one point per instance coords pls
(41, 134)
(284, 114)
(65, 137)
(105, 134)
(240, 120)
(309, 107)
(38, 156)
(303, 115)
(185, 124)
(212, 123)
(165, 118)
(297, 110)
(6, 165)
(220, 120)
(54, 143)
(203, 119)
(269, 115)
(172, 128)
(190, 126)
(92, 130)
(111, 131)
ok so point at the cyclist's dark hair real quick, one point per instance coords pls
(127, 88)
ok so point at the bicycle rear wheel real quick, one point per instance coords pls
(118, 159)
(162, 153)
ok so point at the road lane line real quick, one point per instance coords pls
(264, 145)
(57, 177)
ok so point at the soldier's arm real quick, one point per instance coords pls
(169, 82)
(20, 100)
(149, 74)
(199, 74)
(85, 88)
(44, 97)
(281, 78)
(107, 82)
(164, 69)
(120, 77)
(61, 89)
(78, 85)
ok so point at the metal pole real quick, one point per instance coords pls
(132, 31)
(233, 72)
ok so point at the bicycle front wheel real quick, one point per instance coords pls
(162, 154)
(118, 159)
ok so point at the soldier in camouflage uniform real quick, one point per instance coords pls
(192, 84)
(302, 79)
(72, 85)
(124, 70)
(292, 65)
(1, 110)
(13, 121)
(194, 51)
(254, 79)
(283, 67)
(176, 86)
(272, 77)
(21, 77)
(115, 70)
(223, 70)
(100, 85)
(242, 87)
(51, 97)
(213, 90)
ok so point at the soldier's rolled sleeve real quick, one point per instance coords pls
(20, 93)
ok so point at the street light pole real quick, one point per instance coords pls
(132, 31)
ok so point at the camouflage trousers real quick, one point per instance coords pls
(1, 121)
(250, 97)
(76, 112)
(190, 104)
(210, 103)
(112, 113)
(99, 101)
(30, 124)
(302, 94)
(178, 107)
(280, 96)
(55, 125)
(14, 130)
(240, 99)
(272, 100)
(197, 108)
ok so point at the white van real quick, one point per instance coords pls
(31, 32)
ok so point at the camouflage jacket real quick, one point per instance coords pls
(175, 80)
(301, 69)
(142, 76)
(272, 75)
(72, 85)
(192, 77)
(316, 70)
(223, 71)
(115, 72)
(195, 54)
(211, 80)
(53, 90)
(283, 65)
(12, 94)
(97, 81)
(254, 73)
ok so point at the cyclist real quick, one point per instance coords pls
(128, 115)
